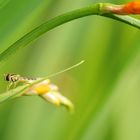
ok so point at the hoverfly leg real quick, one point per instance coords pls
(9, 86)
(15, 84)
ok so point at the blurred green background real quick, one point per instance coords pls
(105, 89)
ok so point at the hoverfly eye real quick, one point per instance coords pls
(7, 77)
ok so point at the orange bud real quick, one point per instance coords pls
(132, 7)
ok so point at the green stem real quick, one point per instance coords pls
(95, 9)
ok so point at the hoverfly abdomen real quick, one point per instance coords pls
(27, 80)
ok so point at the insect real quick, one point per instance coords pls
(14, 79)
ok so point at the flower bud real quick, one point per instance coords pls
(50, 93)
(125, 9)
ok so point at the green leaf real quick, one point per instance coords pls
(94, 9)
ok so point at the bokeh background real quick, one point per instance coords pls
(105, 89)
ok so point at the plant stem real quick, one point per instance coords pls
(95, 9)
